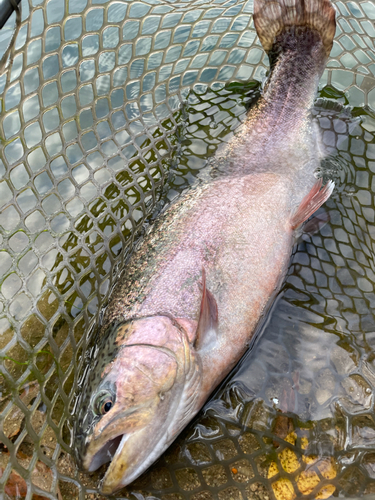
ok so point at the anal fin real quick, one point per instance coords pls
(311, 202)
(312, 227)
(208, 318)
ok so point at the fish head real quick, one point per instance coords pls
(133, 403)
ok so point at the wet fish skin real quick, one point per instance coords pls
(155, 363)
(279, 135)
(147, 379)
(205, 215)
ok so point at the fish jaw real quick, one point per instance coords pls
(139, 450)
(136, 452)
(155, 385)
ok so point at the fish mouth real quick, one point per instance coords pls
(107, 452)
(114, 476)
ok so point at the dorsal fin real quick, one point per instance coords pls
(208, 317)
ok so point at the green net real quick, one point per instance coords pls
(109, 110)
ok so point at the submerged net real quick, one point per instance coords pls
(109, 110)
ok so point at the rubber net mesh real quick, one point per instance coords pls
(108, 111)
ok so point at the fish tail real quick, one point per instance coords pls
(273, 17)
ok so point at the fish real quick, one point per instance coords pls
(201, 280)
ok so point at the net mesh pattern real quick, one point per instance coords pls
(108, 111)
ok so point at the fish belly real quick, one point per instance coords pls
(238, 231)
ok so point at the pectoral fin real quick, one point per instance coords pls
(208, 318)
(311, 202)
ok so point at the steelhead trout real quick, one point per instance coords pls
(190, 298)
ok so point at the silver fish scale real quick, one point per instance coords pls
(108, 111)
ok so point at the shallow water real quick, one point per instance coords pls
(70, 211)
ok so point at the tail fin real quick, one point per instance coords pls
(272, 17)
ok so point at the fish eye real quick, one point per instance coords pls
(103, 403)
